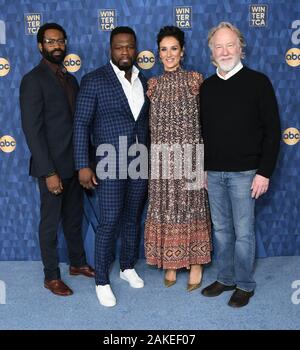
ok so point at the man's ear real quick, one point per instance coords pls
(40, 46)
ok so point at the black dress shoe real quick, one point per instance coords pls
(240, 298)
(215, 289)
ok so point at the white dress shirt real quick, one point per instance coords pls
(133, 90)
(233, 71)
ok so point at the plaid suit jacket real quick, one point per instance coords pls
(103, 112)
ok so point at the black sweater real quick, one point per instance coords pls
(241, 126)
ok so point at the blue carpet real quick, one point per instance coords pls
(29, 306)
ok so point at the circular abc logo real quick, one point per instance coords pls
(291, 136)
(7, 144)
(4, 67)
(292, 57)
(146, 59)
(72, 63)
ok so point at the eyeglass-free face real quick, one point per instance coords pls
(226, 50)
(123, 51)
(170, 53)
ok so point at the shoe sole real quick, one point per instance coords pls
(169, 283)
(190, 288)
(238, 306)
(61, 295)
(110, 305)
(125, 279)
(216, 295)
(81, 274)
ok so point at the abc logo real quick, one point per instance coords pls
(146, 59)
(7, 144)
(4, 67)
(291, 136)
(292, 57)
(72, 62)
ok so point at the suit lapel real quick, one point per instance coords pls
(47, 70)
(118, 89)
(145, 105)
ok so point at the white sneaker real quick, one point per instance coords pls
(132, 278)
(105, 295)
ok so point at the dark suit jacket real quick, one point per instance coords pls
(102, 109)
(47, 122)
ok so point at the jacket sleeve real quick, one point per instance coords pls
(31, 103)
(85, 110)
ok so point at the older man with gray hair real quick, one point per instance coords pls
(241, 131)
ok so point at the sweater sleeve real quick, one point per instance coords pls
(202, 122)
(269, 115)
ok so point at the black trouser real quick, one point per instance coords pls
(67, 207)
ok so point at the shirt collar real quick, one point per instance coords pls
(233, 71)
(134, 71)
(53, 66)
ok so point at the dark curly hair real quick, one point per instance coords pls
(171, 31)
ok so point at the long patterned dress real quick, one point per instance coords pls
(178, 227)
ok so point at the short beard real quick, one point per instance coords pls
(54, 59)
(228, 67)
(124, 68)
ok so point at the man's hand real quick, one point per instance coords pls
(87, 178)
(260, 185)
(54, 184)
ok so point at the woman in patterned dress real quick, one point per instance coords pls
(178, 228)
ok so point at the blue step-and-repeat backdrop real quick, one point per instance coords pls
(272, 32)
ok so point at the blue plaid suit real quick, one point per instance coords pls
(103, 112)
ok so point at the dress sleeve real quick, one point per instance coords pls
(195, 81)
(151, 87)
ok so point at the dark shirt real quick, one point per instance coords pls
(241, 126)
(63, 77)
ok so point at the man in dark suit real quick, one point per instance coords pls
(47, 100)
(113, 106)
